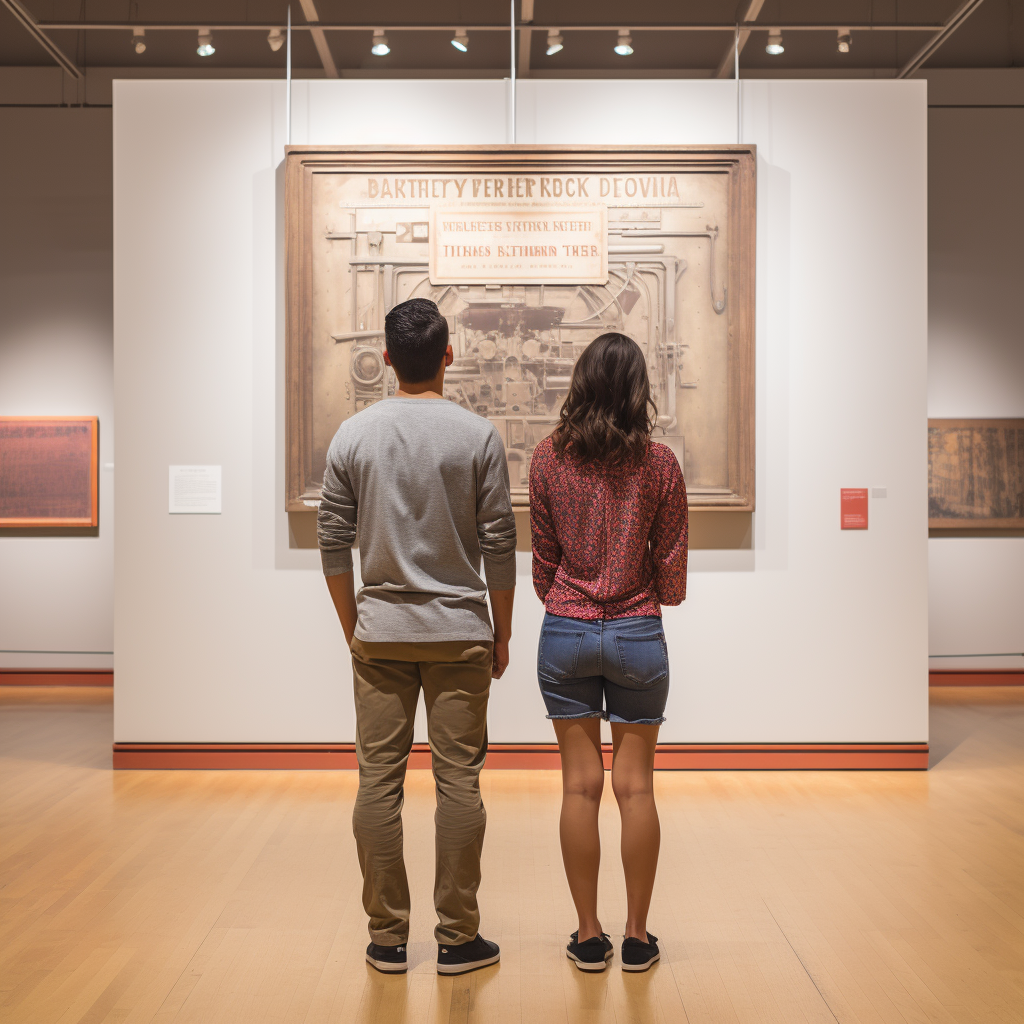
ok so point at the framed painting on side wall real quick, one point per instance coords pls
(976, 474)
(530, 252)
(49, 471)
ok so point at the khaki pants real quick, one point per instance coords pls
(455, 677)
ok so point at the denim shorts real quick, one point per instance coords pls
(608, 668)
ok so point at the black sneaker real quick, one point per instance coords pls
(637, 955)
(591, 955)
(467, 956)
(387, 959)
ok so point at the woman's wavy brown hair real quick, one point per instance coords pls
(608, 414)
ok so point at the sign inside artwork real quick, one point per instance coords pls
(518, 244)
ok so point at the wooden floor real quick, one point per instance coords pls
(782, 897)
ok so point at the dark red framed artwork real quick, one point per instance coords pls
(49, 471)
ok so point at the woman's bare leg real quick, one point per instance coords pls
(579, 742)
(633, 785)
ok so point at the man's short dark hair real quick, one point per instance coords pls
(416, 336)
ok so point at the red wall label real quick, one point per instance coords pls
(853, 508)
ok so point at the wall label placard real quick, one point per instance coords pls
(194, 490)
(853, 508)
(520, 244)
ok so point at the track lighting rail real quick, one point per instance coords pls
(247, 26)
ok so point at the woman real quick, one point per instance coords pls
(609, 524)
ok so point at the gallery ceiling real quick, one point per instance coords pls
(992, 36)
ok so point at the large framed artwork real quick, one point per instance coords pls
(48, 471)
(976, 474)
(530, 252)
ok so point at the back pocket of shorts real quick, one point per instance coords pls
(643, 660)
(559, 652)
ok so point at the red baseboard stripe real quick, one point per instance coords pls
(56, 677)
(693, 756)
(976, 677)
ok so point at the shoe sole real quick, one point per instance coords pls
(385, 967)
(642, 967)
(589, 965)
(466, 968)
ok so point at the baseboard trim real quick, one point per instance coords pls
(56, 677)
(976, 677)
(672, 756)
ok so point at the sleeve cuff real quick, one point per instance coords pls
(336, 562)
(501, 572)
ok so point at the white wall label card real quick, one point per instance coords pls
(193, 490)
(520, 244)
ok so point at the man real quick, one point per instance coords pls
(427, 484)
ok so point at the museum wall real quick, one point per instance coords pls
(56, 358)
(801, 633)
(55, 354)
(976, 359)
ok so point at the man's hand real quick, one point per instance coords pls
(500, 661)
(501, 609)
(343, 593)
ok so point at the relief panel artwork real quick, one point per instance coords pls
(530, 254)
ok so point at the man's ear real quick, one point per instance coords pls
(387, 358)
(449, 356)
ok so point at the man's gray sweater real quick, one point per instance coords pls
(427, 483)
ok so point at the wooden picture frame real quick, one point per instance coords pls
(976, 474)
(335, 300)
(49, 471)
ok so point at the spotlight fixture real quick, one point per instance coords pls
(460, 40)
(844, 40)
(380, 46)
(554, 42)
(139, 40)
(774, 46)
(624, 46)
(205, 47)
(275, 40)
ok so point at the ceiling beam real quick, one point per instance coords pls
(32, 27)
(727, 65)
(319, 38)
(953, 22)
(526, 15)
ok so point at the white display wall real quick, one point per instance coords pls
(224, 631)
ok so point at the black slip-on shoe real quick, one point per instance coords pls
(637, 955)
(467, 956)
(387, 959)
(591, 955)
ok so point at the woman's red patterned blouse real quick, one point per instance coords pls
(607, 544)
